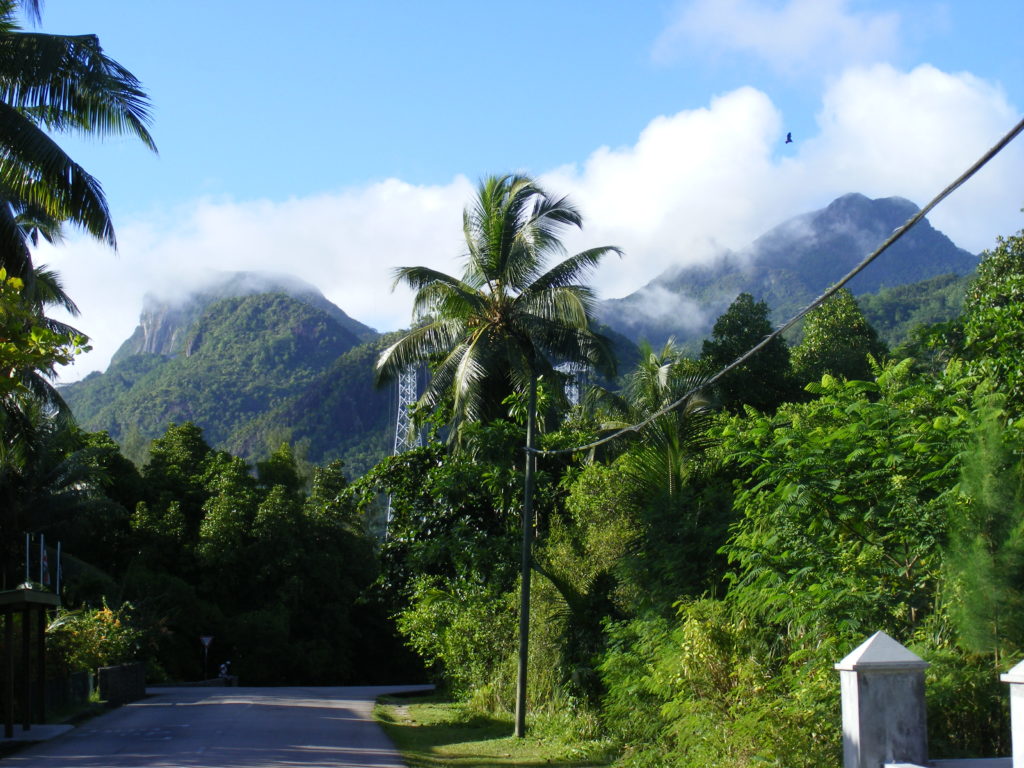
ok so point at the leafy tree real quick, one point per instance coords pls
(451, 512)
(28, 342)
(762, 382)
(993, 322)
(837, 340)
(845, 506)
(280, 469)
(174, 472)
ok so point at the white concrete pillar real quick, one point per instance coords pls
(883, 705)
(1015, 677)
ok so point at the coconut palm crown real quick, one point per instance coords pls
(509, 319)
(56, 84)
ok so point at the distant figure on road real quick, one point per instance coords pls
(225, 669)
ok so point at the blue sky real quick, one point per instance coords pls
(337, 140)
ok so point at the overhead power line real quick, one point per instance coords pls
(896, 235)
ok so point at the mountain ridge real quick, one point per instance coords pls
(163, 322)
(788, 266)
(257, 359)
(228, 364)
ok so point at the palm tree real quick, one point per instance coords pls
(662, 459)
(506, 322)
(48, 84)
(61, 84)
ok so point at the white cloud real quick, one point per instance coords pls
(799, 35)
(347, 244)
(692, 183)
(886, 132)
(711, 178)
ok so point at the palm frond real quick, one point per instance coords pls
(47, 290)
(35, 172)
(573, 269)
(66, 83)
(571, 306)
(420, 345)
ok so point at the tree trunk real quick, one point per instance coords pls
(527, 545)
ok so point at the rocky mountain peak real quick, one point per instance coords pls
(164, 323)
(788, 266)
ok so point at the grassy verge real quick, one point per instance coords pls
(433, 733)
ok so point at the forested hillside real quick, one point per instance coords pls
(787, 267)
(222, 358)
(246, 369)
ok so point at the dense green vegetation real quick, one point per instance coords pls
(253, 371)
(695, 578)
(698, 580)
(195, 544)
(895, 312)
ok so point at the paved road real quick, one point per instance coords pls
(227, 728)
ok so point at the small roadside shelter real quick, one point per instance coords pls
(32, 604)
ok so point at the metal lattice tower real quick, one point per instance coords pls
(406, 436)
(574, 382)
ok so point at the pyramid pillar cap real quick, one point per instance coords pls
(880, 652)
(1015, 675)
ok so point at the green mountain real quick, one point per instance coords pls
(788, 267)
(254, 360)
(259, 359)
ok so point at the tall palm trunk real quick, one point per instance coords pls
(524, 595)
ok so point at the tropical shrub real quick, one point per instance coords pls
(88, 638)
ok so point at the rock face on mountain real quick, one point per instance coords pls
(164, 322)
(238, 359)
(788, 267)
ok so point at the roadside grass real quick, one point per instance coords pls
(432, 732)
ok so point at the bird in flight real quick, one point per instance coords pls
(789, 138)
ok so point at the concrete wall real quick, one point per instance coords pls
(123, 683)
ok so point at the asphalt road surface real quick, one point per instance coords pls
(227, 728)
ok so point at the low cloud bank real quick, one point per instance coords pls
(693, 183)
